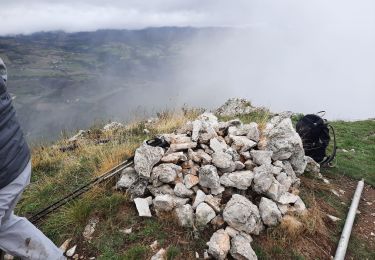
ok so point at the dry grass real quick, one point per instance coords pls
(171, 120)
(291, 227)
(314, 184)
(313, 221)
(304, 235)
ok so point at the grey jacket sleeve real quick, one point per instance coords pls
(14, 151)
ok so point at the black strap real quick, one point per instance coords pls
(329, 159)
(321, 113)
(158, 141)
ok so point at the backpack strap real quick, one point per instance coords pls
(333, 155)
(321, 113)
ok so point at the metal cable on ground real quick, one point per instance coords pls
(115, 170)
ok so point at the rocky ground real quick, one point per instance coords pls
(239, 178)
(236, 186)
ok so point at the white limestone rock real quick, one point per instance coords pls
(232, 232)
(161, 190)
(197, 126)
(246, 155)
(176, 138)
(128, 177)
(160, 255)
(263, 178)
(191, 180)
(164, 203)
(235, 106)
(249, 165)
(208, 120)
(241, 214)
(213, 202)
(275, 190)
(261, 157)
(252, 131)
(174, 158)
(182, 146)
(242, 143)
(240, 179)
(199, 198)
(208, 177)
(219, 245)
(165, 173)
(239, 165)
(90, 229)
(223, 161)
(218, 190)
(284, 141)
(180, 201)
(287, 198)
(299, 206)
(241, 248)
(269, 212)
(145, 158)
(285, 181)
(312, 166)
(203, 214)
(142, 206)
(204, 157)
(218, 145)
(181, 191)
(185, 215)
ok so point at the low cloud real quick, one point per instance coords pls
(21, 16)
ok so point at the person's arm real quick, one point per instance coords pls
(3, 87)
(3, 77)
(3, 71)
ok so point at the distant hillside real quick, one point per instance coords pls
(65, 81)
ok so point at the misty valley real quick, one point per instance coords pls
(62, 82)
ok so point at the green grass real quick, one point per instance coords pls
(135, 253)
(276, 253)
(360, 163)
(260, 116)
(359, 250)
(173, 252)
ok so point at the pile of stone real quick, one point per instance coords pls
(237, 106)
(236, 177)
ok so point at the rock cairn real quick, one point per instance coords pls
(230, 175)
(237, 106)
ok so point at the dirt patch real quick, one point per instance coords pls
(363, 233)
(364, 223)
(144, 232)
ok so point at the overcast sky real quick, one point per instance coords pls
(28, 16)
(297, 55)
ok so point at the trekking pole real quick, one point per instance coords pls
(83, 189)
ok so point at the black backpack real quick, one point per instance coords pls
(314, 132)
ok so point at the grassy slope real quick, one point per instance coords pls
(56, 173)
(360, 163)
